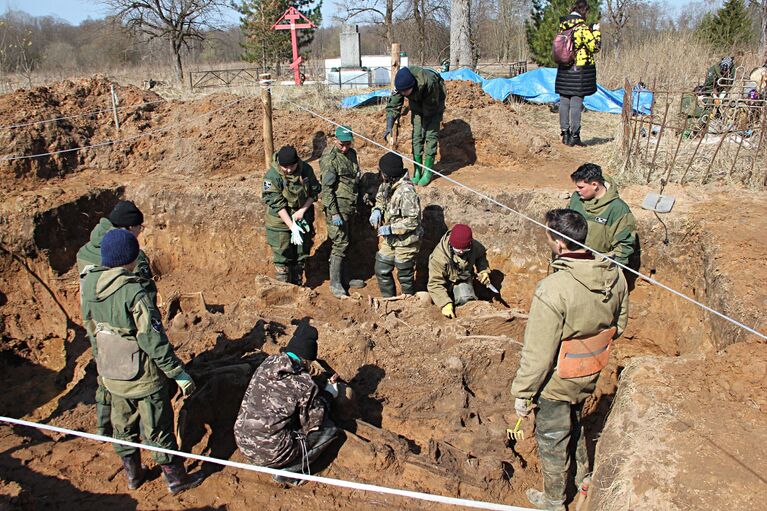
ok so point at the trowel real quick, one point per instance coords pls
(658, 203)
(497, 293)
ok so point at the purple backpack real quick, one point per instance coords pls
(563, 47)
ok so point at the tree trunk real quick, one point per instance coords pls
(389, 22)
(176, 48)
(420, 24)
(764, 32)
(461, 51)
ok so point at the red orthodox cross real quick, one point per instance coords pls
(289, 18)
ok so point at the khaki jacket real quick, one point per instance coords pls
(446, 268)
(583, 297)
(288, 192)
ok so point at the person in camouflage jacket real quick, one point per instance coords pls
(283, 420)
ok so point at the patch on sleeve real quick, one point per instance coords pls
(267, 185)
(600, 220)
(156, 325)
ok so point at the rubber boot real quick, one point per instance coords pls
(538, 499)
(384, 266)
(134, 472)
(575, 139)
(417, 169)
(426, 177)
(177, 478)
(297, 274)
(566, 136)
(406, 276)
(281, 273)
(336, 269)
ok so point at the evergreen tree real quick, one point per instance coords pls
(730, 27)
(543, 26)
(264, 45)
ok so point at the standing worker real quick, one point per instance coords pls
(575, 314)
(425, 92)
(451, 269)
(290, 189)
(340, 174)
(577, 79)
(125, 215)
(397, 216)
(135, 360)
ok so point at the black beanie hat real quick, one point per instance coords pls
(391, 165)
(304, 342)
(287, 155)
(118, 248)
(404, 80)
(126, 214)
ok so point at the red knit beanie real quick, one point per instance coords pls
(460, 237)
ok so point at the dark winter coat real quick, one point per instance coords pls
(580, 79)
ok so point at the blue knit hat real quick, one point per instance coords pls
(118, 248)
(404, 80)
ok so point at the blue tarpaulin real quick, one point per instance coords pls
(536, 86)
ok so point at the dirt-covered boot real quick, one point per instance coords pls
(297, 274)
(575, 139)
(538, 499)
(134, 472)
(566, 136)
(336, 269)
(281, 273)
(417, 169)
(177, 478)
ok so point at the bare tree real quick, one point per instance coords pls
(461, 44)
(378, 12)
(620, 12)
(179, 22)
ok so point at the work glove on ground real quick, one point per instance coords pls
(384, 230)
(337, 220)
(389, 127)
(523, 407)
(484, 277)
(375, 218)
(295, 234)
(185, 383)
(448, 311)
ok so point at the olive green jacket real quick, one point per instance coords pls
(583, 297)
(115, 300)
(340, 174)
(427, 98)
(446, 268)
(288, 192)
(90, 254)
(612, 227)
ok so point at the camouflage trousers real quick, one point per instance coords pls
(425, 135)
(149, 418)
(400, 254)
(340, 235)
(560, 436)
(284, 253)
(103, 410)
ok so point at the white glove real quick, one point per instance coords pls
(595, 26)
(332, 389)
(295, 234)
(523, 407)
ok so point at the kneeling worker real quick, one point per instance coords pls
(283, 420)
(134, 360)
(452, 266)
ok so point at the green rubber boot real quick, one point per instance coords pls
(426, 176)
(417, 169)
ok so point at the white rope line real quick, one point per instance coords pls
(544, 226)
(123, 140)
(86, 114)
(450, 501)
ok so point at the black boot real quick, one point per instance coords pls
(177, 478)
(575, 139)
(406, 276)
(566, 137)
(336, 270)
(297, 274)
(134, 472)
(384, 266)
(281, 273)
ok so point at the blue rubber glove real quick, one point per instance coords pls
(375, 217)
(337, 220)
(384, 230)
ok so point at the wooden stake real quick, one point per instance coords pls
(395, 63)
(114, 106)
(266, 98)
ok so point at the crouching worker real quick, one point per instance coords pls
(283, 421)
(134, 360)
(451, 269)
(575, 314)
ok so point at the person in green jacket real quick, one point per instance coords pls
(612, 227)
(575, 314)
(451, 269)
(425, 92)
(135, 360)
(125, 215)
(340, 174)
(290, 189)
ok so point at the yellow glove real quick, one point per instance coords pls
(484, 277)
(448, 311)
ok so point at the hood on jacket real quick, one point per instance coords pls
(598, 275)
(110, 280)
(278, 367)
(98, 233)
(595, 206)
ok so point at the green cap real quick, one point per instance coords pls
(344, 134)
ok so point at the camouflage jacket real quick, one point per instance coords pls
(401, 208)
(340, 174)
(447, 268)
(281, 402)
